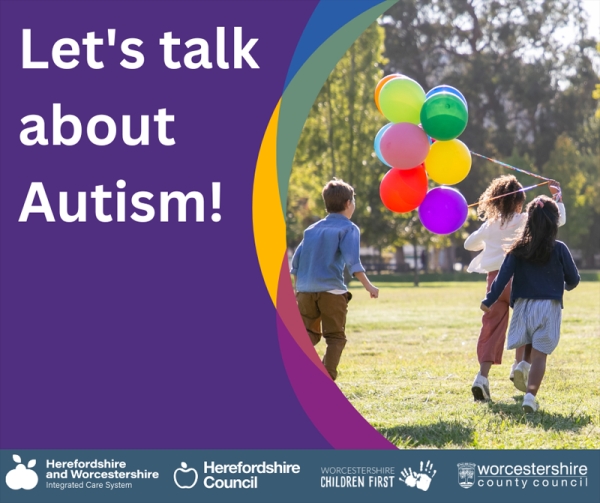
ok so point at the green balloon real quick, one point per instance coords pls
(444, 116)
(401, 100)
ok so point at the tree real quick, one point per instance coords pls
(337, 141)
(523, 87)
(531, 104)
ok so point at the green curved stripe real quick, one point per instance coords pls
(302, 91)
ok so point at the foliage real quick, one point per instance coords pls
(337, 140)
(531, 104)
(581, 192)
(524, 88)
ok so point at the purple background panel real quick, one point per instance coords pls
(130, 335)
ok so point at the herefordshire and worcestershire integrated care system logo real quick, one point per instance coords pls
(22, 477)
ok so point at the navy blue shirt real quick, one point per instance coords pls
(319, 259)
(536, 281)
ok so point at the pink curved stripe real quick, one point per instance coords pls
(288, 311)
(328, 409)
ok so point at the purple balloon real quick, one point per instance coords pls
(443, 211)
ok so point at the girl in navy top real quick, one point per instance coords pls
(541, 269)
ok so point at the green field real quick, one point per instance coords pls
(410, 361)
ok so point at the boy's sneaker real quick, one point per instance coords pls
(529, 404)
(512, 372)
(521, 376)
(481, 388)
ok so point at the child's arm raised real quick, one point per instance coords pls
(554, 187)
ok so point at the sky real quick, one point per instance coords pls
(593, 9)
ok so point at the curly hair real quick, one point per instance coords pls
(536, 242)
(503, 208)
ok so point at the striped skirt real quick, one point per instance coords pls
(535, 322)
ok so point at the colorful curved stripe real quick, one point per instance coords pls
(318, 51)
(267, 213)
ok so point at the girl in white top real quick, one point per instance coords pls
(502, 222)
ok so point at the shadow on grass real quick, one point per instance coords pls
(440, 434)
(541, 418)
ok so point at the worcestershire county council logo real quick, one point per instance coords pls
(466, 474)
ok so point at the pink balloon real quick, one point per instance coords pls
(404, 145)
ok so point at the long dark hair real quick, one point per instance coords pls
(536, 242)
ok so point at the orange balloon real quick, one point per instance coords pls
(403, 190)
(381, 84)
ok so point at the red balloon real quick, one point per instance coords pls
(403, 190)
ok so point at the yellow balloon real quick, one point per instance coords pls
(448, 162)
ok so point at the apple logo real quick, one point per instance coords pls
(21, 477)
(184, 469)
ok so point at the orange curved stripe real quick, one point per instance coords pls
(267, 214)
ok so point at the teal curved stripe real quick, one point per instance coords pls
(326, 19)
(300, 94)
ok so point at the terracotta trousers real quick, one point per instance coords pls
(326, 310)
(494, 325)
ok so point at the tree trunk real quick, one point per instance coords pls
(435, 266)
(451, 254)
(351, 108)
(416, 280)
(400, 260)
(330, 130)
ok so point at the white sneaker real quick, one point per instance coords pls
(529, 404)
(481, 388)
(521, 375)
(512, 371)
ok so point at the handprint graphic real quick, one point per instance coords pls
(410, 478)
(425, 476)
(420, 480)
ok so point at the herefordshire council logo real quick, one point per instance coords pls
(466, 474)
(180, 480)
(21, 477)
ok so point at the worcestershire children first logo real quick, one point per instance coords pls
(22, 477)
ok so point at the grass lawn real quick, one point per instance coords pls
(410, 361)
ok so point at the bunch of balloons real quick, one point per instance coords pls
(420, 142)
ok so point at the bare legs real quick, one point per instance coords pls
(484, 368)
(538, 368)
(520, 355)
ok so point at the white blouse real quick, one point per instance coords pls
(494, 239)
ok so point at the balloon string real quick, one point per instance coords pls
(509, 166)
(509, 193)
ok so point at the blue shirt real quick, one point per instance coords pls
(536, 281)
(319, 259)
